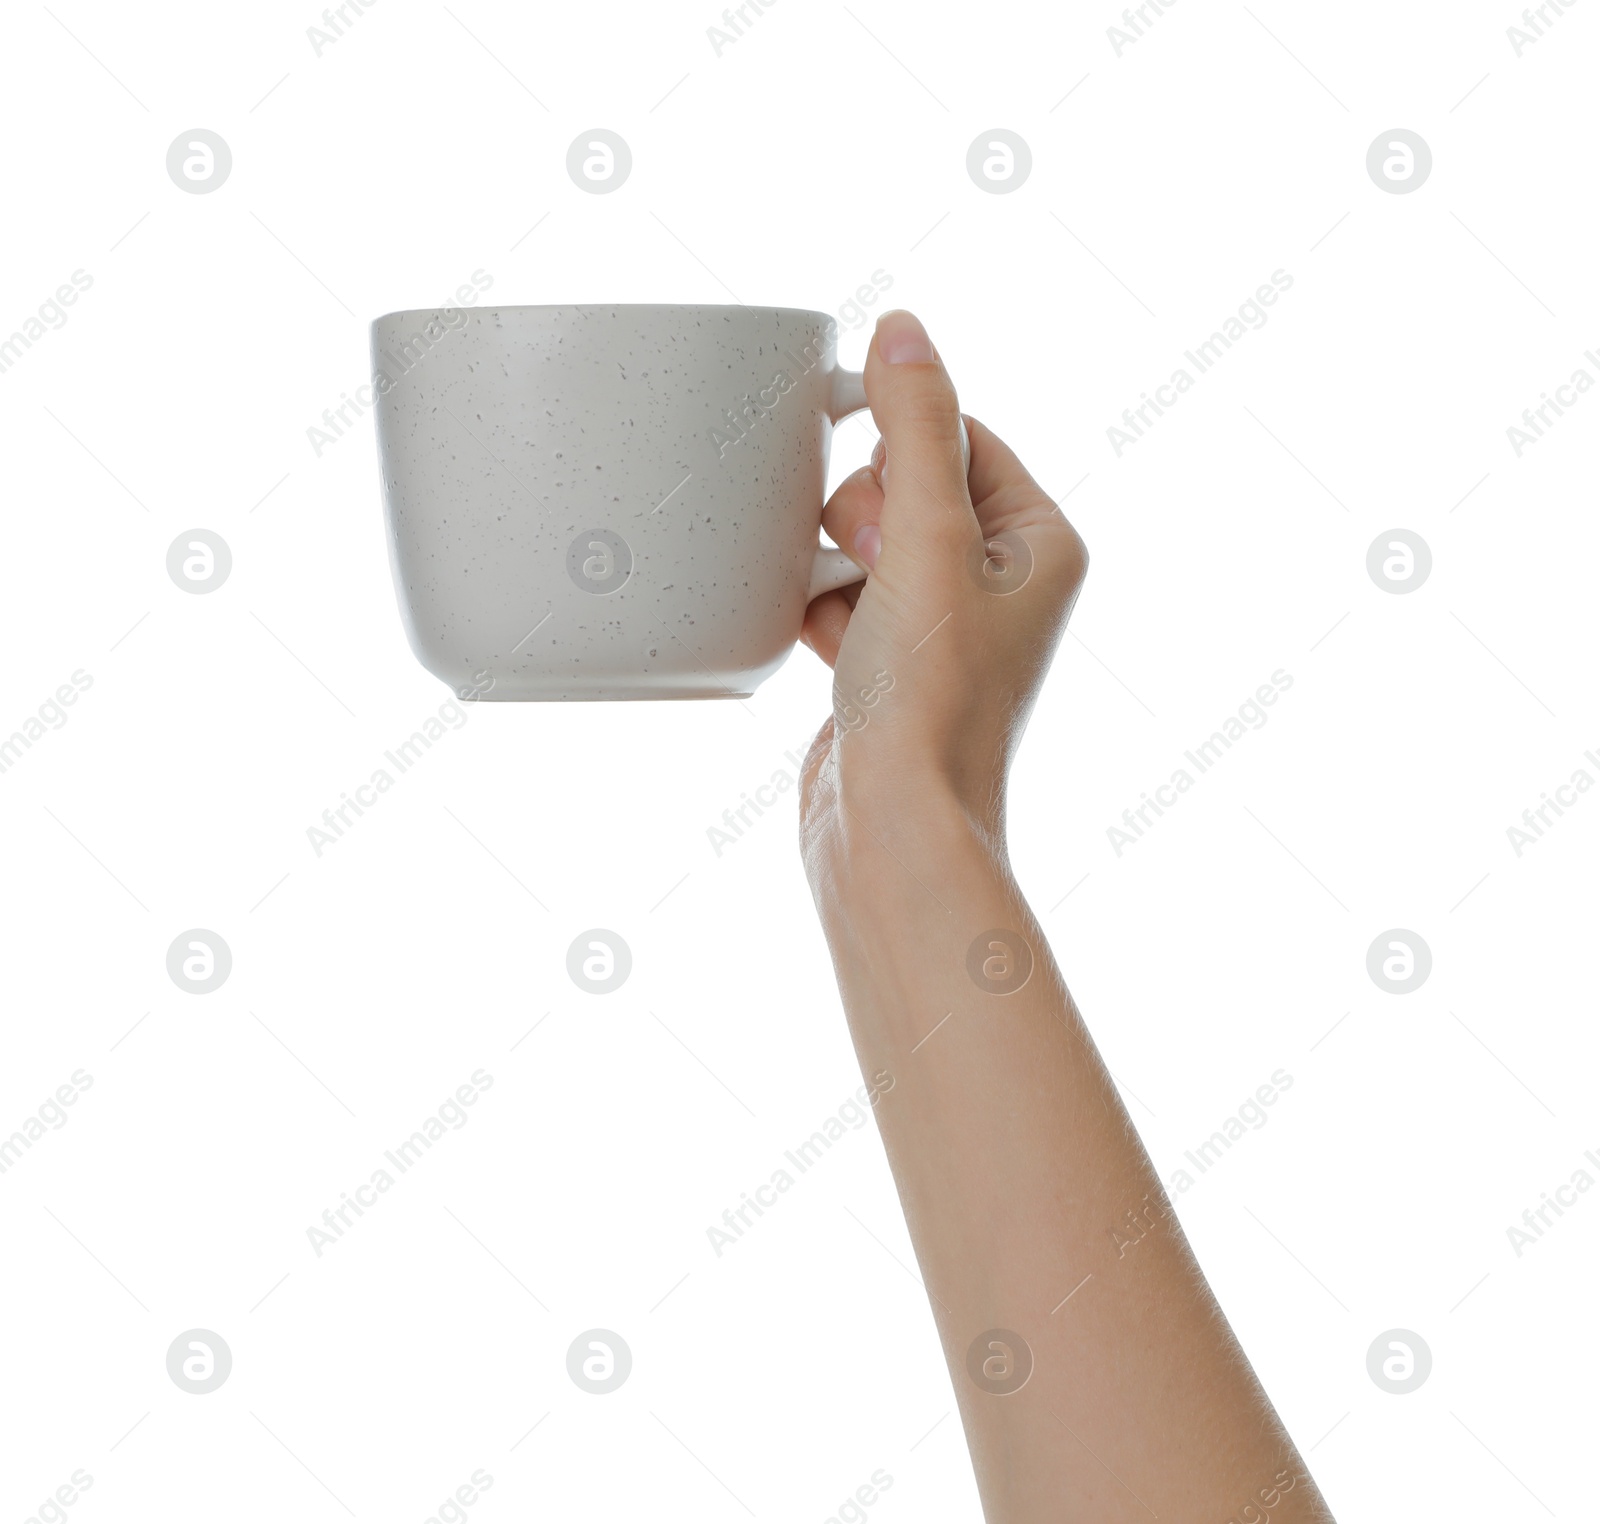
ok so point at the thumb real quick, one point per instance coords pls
(925, 446)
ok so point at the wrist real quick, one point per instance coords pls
(902, 892)
(910, 841)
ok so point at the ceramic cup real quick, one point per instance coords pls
(608, 502)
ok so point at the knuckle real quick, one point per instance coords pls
(930, 408)
(1074, 557)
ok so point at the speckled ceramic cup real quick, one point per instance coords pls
(608, 502)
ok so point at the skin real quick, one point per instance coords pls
(1017, 1165)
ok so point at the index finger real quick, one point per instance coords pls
(1004, 494)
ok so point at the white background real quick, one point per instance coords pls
(826, 143)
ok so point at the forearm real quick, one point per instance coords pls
(1032, 1204)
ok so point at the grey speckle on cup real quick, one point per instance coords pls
(999, 161)
(599, 1361)
(1000, 962)
(199, 961)
(599, 961)
(1399, 1361)
(1399, 161)
(1399, 561)
(1399, 961)
(999, 1362)
(199, 561)
(199, 1361)
(599, 161)
(198, 161)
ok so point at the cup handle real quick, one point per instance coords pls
(849, 394)
(833, 568)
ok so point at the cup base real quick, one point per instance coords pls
(504, 692)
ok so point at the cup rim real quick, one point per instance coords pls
(522, 310)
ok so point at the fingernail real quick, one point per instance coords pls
(902, 340)
(875, 466)
(869, 541)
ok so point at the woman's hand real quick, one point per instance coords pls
(973, 573)
(1093, 1382)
